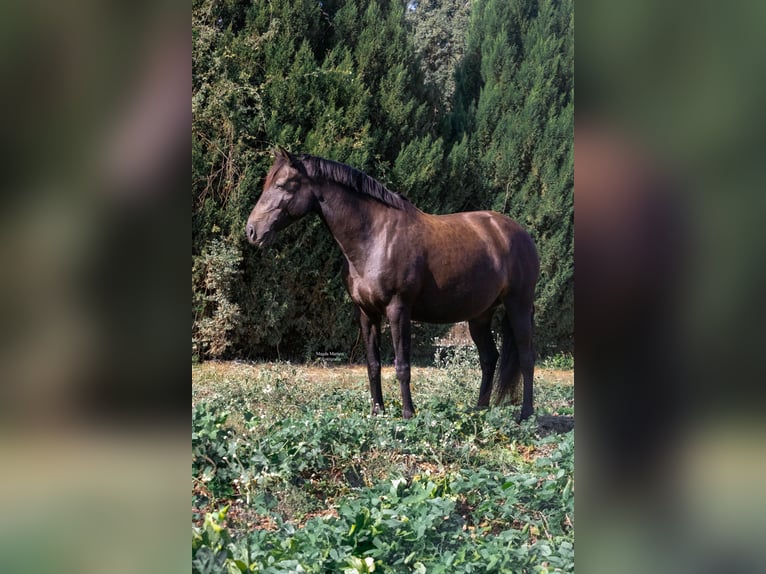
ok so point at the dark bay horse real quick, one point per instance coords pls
(405, 265)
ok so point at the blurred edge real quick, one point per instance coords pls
(669, 199)
(95, 166)
(94, 296)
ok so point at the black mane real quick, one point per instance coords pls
(352, 178)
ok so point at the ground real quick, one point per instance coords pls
(290, 452)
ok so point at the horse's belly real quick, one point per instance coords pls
(459, 287)
(444, 308)
(445, 316)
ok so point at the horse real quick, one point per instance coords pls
(406, 265)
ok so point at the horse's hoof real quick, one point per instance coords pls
(525, 414)
(407, 414)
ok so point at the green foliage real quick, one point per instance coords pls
(558, 361)
(324, 487)
(338, 80)
(212, 449)
(215, 314)
(516, 111)
(457, 105)
(439, 28)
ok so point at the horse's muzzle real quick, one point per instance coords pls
(252, 236)
(250, 232)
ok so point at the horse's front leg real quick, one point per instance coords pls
(371, 336)
(399, 319)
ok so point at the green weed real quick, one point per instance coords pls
(564, 361)
(318, 485)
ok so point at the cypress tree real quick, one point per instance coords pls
(514, 105)
(370, 83)
(336, 79)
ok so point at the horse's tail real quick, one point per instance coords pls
(510, 368)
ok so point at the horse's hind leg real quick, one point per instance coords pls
(510, 368)
(521, 317)
(371, 336)
(481, 333)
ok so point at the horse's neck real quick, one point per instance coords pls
(355, 221)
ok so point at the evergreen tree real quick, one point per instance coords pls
(514, 108)
(370, 83)
(439, 28)
(336, 79)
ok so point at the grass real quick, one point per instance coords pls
(290, 473)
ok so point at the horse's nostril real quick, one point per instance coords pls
(250, 230)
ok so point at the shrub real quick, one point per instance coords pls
(216, 316)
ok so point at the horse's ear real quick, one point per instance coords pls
(283, 154)
(279, 151)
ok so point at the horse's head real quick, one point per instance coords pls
(287, 196)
